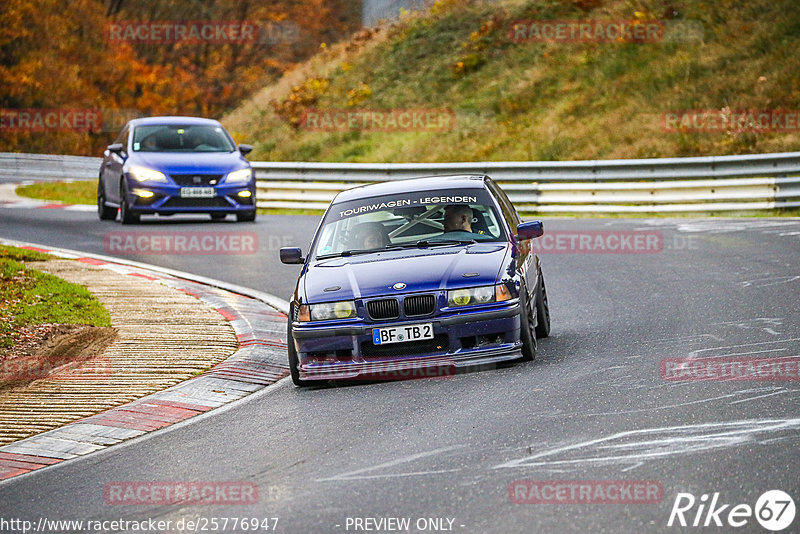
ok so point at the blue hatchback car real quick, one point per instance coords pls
(169, 165)
(416, 274)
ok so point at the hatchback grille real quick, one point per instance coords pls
(178, 202)
(419, 305)
(383, 309)
(196, 179)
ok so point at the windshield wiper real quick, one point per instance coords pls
(347, 253)
(426, 243)
(419, 244)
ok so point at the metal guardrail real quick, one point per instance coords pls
(717, 183)
(46, 167)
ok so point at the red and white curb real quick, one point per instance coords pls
(260, 361)
(10, 199)
(40, 204)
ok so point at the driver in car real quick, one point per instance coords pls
(458, 223)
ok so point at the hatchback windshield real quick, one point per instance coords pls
(428, 218)
(181, 138)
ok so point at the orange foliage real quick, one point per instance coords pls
(58, 56)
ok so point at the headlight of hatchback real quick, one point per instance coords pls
(344, 309)
(143, 174)
(242, 175)
(478, 295)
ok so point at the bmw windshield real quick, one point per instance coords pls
(419, 219)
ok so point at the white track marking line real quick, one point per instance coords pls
(353, 475)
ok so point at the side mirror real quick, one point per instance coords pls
(245, 149)
(116, 148)
(530, 230)
(292, 256)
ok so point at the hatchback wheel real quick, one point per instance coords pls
(104, 212)
(125, 214)
(248, 216)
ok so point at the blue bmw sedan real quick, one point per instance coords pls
(416, 274)
(169, 165)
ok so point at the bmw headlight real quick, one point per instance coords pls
(143, 174)
(242, 175)
(344, 309)
(478, 295)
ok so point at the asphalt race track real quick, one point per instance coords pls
(594, 406)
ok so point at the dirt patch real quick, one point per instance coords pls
(55, 351)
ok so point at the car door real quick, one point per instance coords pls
(112, 167)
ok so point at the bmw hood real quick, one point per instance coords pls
(429, 269)
(190, 162)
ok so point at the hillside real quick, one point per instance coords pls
(537, 100)
(115, 60)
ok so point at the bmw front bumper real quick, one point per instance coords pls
(462, 340)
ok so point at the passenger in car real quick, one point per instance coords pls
(370, 235)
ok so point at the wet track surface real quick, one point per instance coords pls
(593, 406)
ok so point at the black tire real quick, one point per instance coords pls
(248, 216)
(104, 212)
(527, 332)
(125, 214)
(293, 361)
(542, 310)
(218, 216)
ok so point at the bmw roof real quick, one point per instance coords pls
(425, 183)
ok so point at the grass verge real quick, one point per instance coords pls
(78, 192)
(29, 297)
